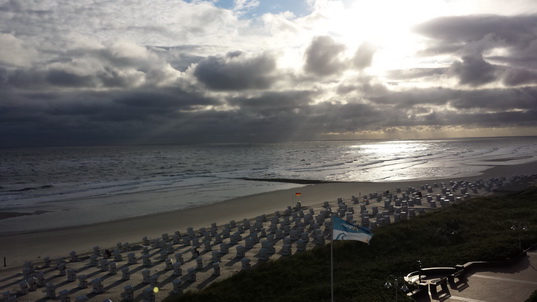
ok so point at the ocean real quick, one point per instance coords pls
(69, 186)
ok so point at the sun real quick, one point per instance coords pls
(386, 24)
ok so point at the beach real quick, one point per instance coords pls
(35, 246)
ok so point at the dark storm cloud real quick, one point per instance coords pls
(379, 108)
(350, 117)
(71, 117)
(520, 76)
(35, 78)
(363, 56)
(404, 100)
(483, 119)
(237, 71)
(450, 107)
(289, 116)
(273, 103)
(497, 99)
(473, 37)
(65, 78)
(162, 102)
(119, 74)
(364, 85)
(322, 57)
(415, 73)
(474, 71)
(118, 65)
(148, 104)
(23, 79)
(513, 30)
(171, 115)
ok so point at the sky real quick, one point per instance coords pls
(100, 72)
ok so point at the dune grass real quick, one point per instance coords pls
(474, 230)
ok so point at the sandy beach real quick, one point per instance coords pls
(21, 248)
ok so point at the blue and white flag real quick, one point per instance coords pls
(346, 231)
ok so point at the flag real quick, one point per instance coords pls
(343, 230)
(298, 194)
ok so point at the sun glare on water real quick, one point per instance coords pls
(387, 149)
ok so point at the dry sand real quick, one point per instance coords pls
(20, 248)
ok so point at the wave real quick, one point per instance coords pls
(24, 189)
(293, 180)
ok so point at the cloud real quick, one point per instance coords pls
(172, 114)
(72, 117)
(415, 73)
(512, 30)
(361, 85)
(496, 100)
(457, 100)
(14, 52)
(323, 57)
(270, 104)
(64, 78)
(473, 71)
(491, 48)
(245, 4)
(363, 56)
(177, 71)
(160, 23)
(237, 71)
(520, 76)
(117, 65)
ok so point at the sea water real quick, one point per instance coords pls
(68, 186)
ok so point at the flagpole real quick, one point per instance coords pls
(346, 231)
(332, 260)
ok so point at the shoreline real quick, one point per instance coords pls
(19, 247)
(145, 236)
(494, 171)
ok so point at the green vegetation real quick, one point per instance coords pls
(477, 229)
(533, 297)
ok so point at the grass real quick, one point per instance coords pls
(472, 230)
